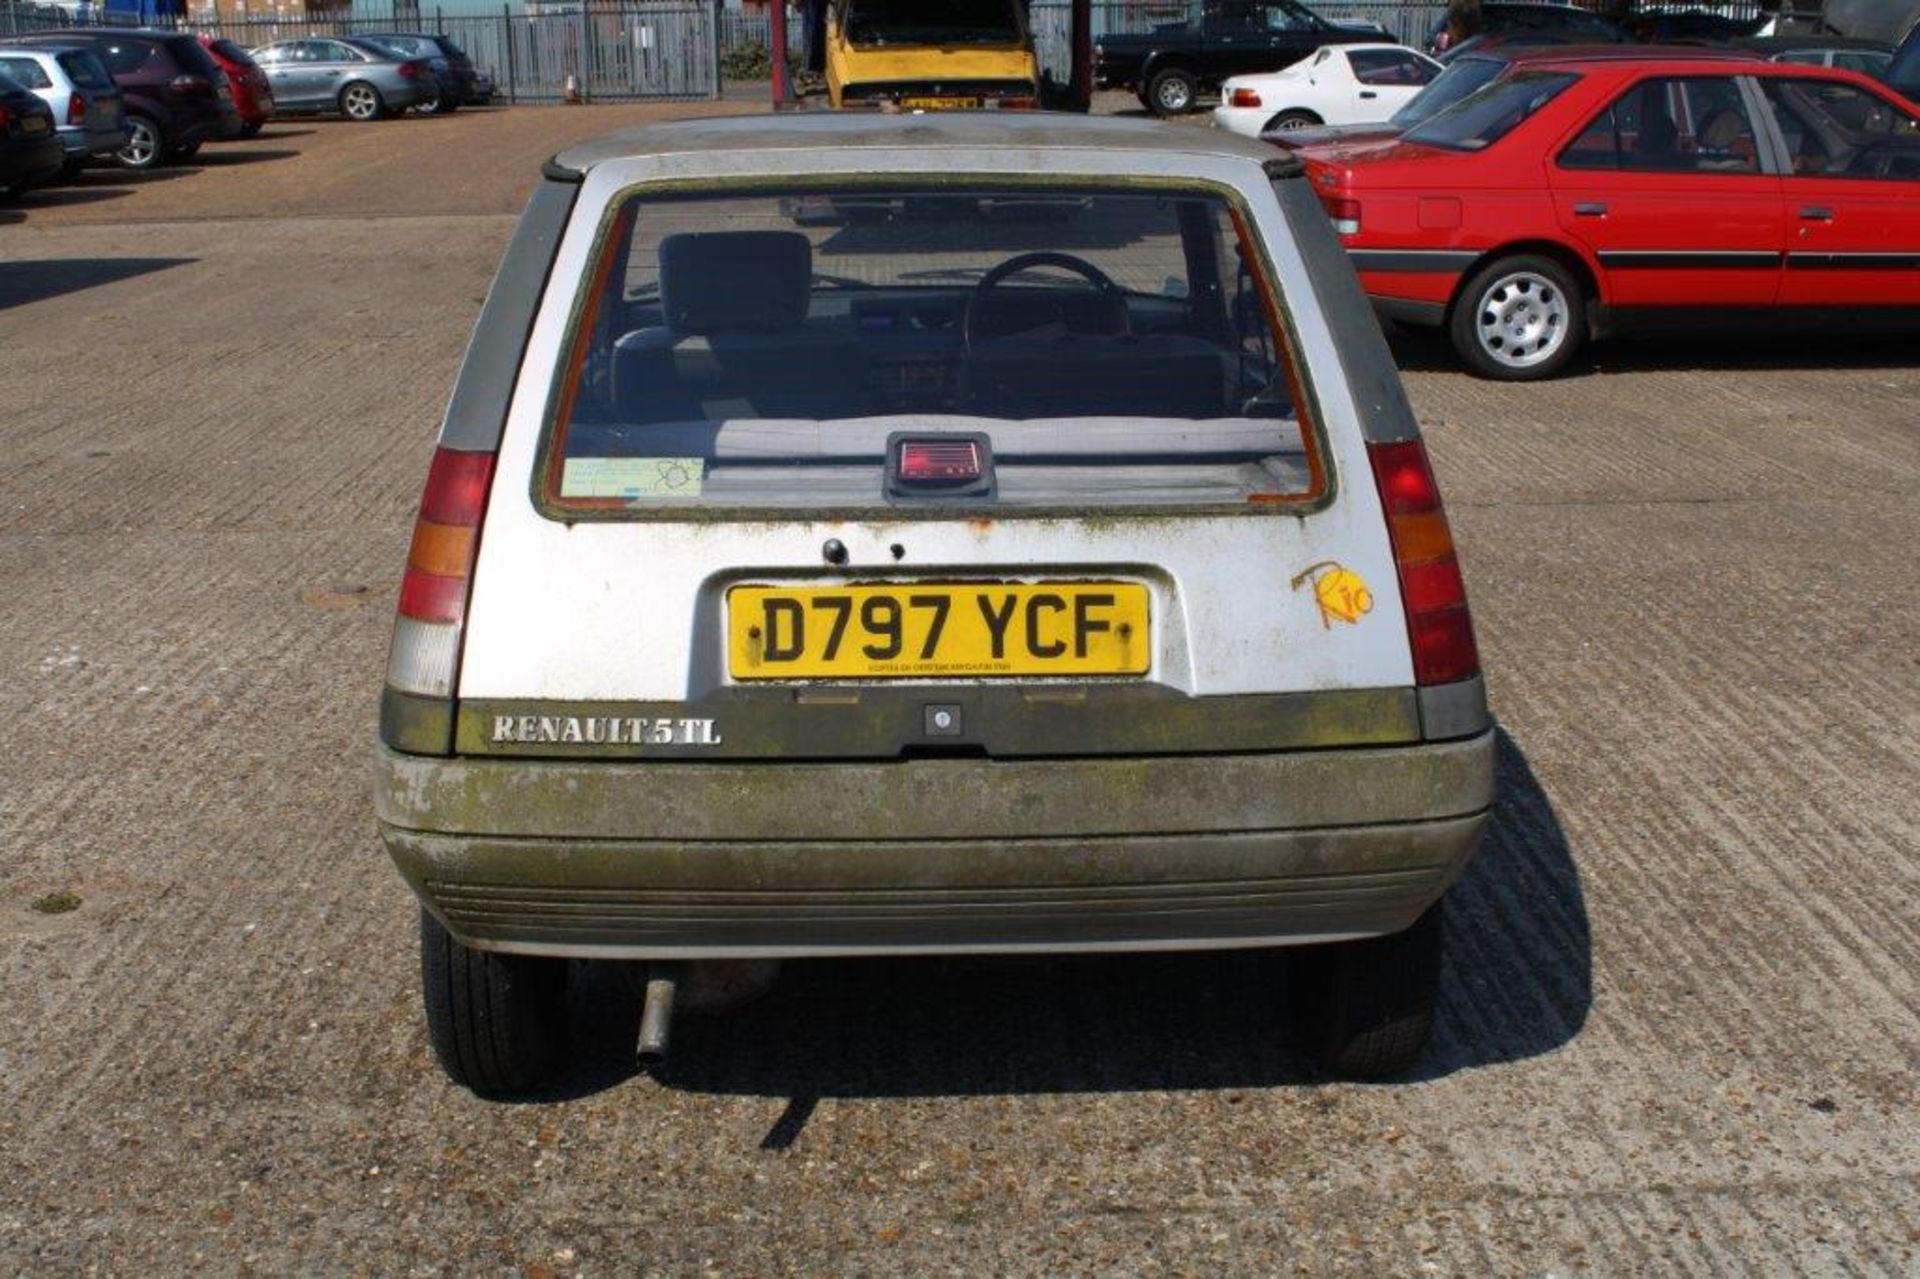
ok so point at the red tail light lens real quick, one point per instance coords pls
(1431, 589)
(76, 109)
(1345, 214)
(1244, 98)
(191, 85)
(446, 537)
(413, 70)
(6, 119)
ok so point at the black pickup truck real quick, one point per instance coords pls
(1170, 66)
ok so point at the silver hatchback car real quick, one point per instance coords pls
(87, 110)
(357, 78)
(978, 533)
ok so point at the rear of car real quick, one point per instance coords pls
(449, 62)
(1039, 557)
(30, 149)
(82, 96)
(252, 91)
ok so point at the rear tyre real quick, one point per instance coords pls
(445, 104)
(1171, 92)
(71, 170)
(498, 1023)
(146, 146)
(1287, 121)
(184, 152)
(361, 101)
(1519, 319)
(1365, 1008)
(251, 129)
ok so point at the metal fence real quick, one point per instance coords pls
(610, 51)
(631, 49)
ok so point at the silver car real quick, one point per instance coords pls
(357, 78)
(86, 104)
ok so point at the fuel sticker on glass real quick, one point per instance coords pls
(633, 479)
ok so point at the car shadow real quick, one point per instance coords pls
(66, 195)
(211, 158)
(1773, 347)
(1516, 983)
(22, 282)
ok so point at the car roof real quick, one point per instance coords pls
(839, 130)
(1678, 62)
(1622, 53)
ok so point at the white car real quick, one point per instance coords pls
(889, 588)
(1341, 84)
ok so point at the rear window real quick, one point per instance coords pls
(86, 70)
(27, 72)
(1491, 112)
(1460, 78)
(193, 57)
(233, 52)
(1095, 348)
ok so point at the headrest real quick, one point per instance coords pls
(1723, 129)
(735, 281)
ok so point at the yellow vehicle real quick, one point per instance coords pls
(935, 54)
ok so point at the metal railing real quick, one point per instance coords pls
(636, 49)
(606, 49)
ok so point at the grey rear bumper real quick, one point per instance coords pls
(651, 860)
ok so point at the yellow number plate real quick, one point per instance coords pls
(937, 630)
(941, 104)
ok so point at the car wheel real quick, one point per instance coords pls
(1171, 92)
(445, 104)
(1519, 319)
(146, 146)
(361, 101)
(498, 1023)
(1365, 1008)
(185, 152)
(14, 190)
(71, 170)
(1287, 121)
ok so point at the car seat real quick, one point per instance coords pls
(736, 343)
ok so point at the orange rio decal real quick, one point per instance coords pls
(1340, 592)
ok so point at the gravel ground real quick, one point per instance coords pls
(1678, 1028)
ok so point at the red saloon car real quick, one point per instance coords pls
(1574, 197)
(252, 95)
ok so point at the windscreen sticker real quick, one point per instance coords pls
(1340, 592)
(633, 479)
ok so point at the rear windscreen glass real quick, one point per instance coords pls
(772, 351)
(1491, 112)
(86, 70)
(885, 22)
(194, 58)
(1456, 82)
(233, 52)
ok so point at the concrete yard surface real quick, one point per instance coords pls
(1679, 1024)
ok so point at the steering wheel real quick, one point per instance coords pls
(1103, 284)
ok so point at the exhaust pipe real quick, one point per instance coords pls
(656, 1013)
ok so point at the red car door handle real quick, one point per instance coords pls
(1589, 209)
(1815, 213)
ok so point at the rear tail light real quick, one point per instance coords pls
(1012, 104)
(433, 594)
(190, 85)
(413, 70)
(1345, 214)
(6, 119)
(76, 109)
(1244, 98)
(1439, 626)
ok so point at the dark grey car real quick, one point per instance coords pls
(358, 78)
